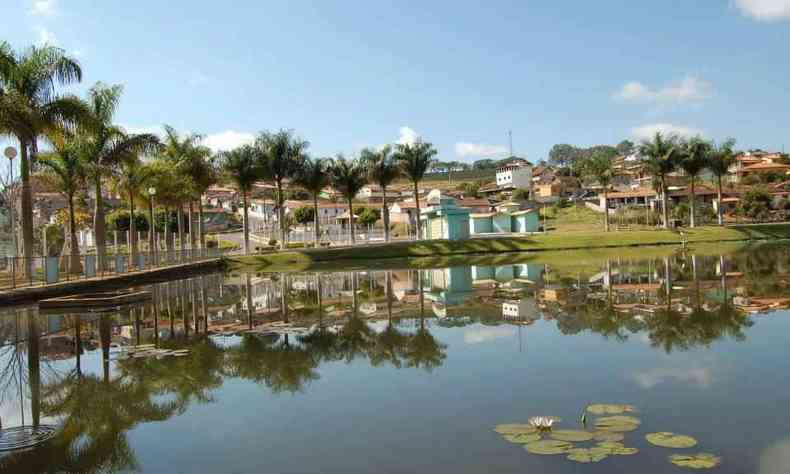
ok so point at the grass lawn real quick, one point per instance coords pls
(552, 241)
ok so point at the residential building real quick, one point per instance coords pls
(515, 174)
(442, 218)
(508, 217)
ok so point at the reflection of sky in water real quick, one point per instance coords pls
(700, 376)
(487, 334)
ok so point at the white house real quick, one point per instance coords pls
(515, 174)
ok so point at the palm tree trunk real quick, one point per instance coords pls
(692, 204)
(719, 211)
(168, 234)
(151, 227)
(351, 220)
(248, 293)
(200, 224)
(605, 210)
(664, 203)
(180, 217)
(33, 365)
(385, 214)
(191, 226)
(315, 219)
(132, 228)
(74, 260)
(99, 225)
(281, 216)
(246, 223)
(27, 210)
(417, 204)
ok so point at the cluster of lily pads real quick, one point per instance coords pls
(149, 350)
(605, 439)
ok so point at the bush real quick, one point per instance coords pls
(272, 242)
(119, 221)
(367, 216)
(756, 203)
(305, 215)
(521, 194)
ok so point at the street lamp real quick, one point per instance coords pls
(152, 226)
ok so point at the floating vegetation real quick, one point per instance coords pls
(587, 455)
(571, 435)
(543, 423)
(515, 428)
(617, 449)
(522, 438)
(695, 461)
(609, 409)
(548, 447)
(671, 440)
(149, 350)
(618, 423)
(608, 436)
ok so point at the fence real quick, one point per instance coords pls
(50, 270)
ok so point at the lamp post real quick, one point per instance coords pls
(152, 225)
(10, 153)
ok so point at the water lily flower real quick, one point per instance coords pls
(543, 423)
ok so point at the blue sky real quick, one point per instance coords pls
(348, 74)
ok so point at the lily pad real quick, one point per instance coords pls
(671, 440)
(608, 436)
(616, 449)
(583, 455)
(619, 423)
(548, 446)
(609, 409)
(696, 461)
(522, 438)
(571, 435)
(515, 428)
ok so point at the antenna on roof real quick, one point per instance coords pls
(510, 139)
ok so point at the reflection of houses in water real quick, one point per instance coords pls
(448, 286)
(525, 309)
(526, 273)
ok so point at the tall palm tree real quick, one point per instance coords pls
(181, 150)
(382, 170)
(348, 177)
(599, 168)
(415, 159)
(200, 165)
(132, 177)
(693, 158)
(720, 159)
(105, 146)
(65, 170)
(282, 156)
(243, 166)
(661, 159)
(313, 178)
(30, 107)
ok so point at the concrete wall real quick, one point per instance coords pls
(502, 223)
(480, 225)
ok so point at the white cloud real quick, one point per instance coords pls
(408, 136)
(154, 129)
(479, 150)
(44, 8)
(228, 140)
(45, 37)
(487, 334)
(647, 132)
(765, 10)
(688, 89)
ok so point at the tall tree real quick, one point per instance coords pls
(599, 168)
(720, 159)
(415, 159)
(242, 165)
(382, 170)
(105, 145)
(313, 177)
(200, 166)
(348, 177)
(130, 180)
(65, 170)
(660, 160)
(30, 107)
(693, 158)
(181, 150)
(283, 155)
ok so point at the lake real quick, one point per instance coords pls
(411, 370)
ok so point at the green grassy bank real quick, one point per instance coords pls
(463, 251)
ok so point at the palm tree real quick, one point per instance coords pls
(66, 171)
(282, 156)
(693, 159)
(200, 165)
(182, 151)
(105, 147)
(313, 178)
(132, 177)
(242, 166)
(661, 160)
(382, 170)
(415, 159)
(599, 168)
(30, 106)
(348, 177)
(720, 159)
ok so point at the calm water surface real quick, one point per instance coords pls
(409, 370)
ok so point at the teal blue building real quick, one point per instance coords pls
(508, 218)
(443, 219)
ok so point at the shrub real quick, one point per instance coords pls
(305, 215)
(119, 221)
(756, 203)
(367, 216)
